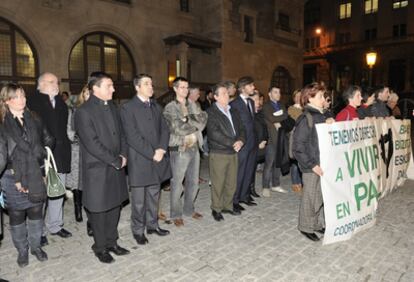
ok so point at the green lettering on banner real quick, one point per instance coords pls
(358, 196)
(373, 193)
(351, 165)
(342, 210)
(362, 191)
(339, 175)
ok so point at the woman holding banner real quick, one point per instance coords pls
(306, 152)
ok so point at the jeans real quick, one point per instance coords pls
(295, 173)
(184, 165)
(271, 173)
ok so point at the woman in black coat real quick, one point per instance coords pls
(306, 152)
(22, 182)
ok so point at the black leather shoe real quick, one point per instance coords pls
(158, 231)
(254, 193)
(310, 236)
(232, 212)
(62, 233)
(322, 231)
(89, 230)
(39, 254)
(249, 203)
(43, 241)
(118, 250)
(238, 207)
(217, 216)
(104, 257)
(141, 239)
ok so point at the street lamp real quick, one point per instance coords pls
(318, 31)
(371, 58)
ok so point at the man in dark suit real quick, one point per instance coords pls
(54, 113)
(103, 150)
(247, 155)
(226, 137)
(147, 137)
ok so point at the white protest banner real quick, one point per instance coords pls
(361, 160)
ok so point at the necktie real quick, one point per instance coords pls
(147, 104)
(249, 105)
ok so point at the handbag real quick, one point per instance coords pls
(54, 185)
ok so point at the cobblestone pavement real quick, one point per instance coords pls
(262, 244)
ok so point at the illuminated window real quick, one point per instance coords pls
(345, 10)
(399, 4)
(18, 60)
(371, 6)
(101, 52)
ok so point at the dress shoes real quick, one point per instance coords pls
(217, 215)
(39, 254)
(238, 207)
(62, 233)
(179, 222)
(197, 215)
(118, 250)
(232, 212)
(158, 231)
(254, 193)
(322, 231)
(310, 236)
(43, 241)
(104, 256)
(249, 203)
(141, 239)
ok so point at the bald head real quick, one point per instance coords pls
(48, 83)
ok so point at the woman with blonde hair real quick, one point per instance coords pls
(74, 178)
(22, 182)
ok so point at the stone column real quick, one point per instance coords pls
(182, 50)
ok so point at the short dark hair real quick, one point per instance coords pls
(243, 81)
(379, 89)
(96, 78)
(192, 87)
(274, 86)
(310, 91)
(217, 87)
(138, 78)
(178, 79)
(349, 93)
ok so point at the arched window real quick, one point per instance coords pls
(282, 79)
(100, 51)
(18, 59)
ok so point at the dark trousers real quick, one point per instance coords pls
(105, 228)
(271, 173)
(246, 164)
(144, 208)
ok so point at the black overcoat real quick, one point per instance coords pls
(56, 122)
(101, 144)
(146, 130)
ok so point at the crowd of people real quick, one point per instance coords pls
(140, 145)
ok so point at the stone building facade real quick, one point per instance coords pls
(204, 40)
(338, 34)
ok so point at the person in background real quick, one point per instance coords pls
(55, 115)
(22, 182)
(392, 104)
(208, 101)
(379, 107)
(294, 112)
(368, 98)
(306, 152)
(231, 88)
(261, 138)
(352, 96)
(274, 113)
